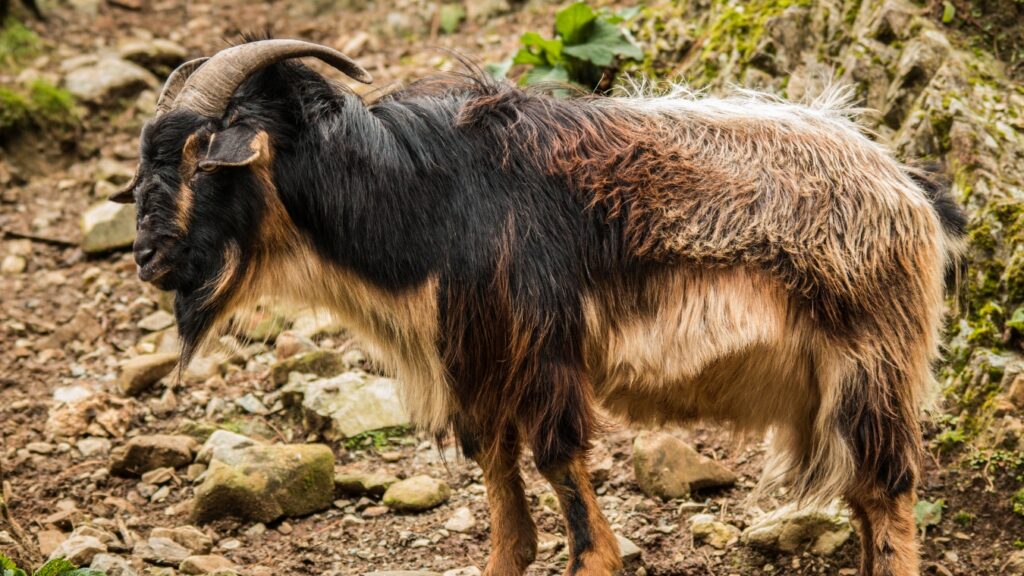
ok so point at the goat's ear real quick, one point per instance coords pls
(238, 145)
(126, 195)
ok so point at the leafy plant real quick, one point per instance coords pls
(55, 567)
(586, 45)
(928, 513)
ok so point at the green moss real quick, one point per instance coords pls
(1017, 501)
(14, 109)
(17, 44)
(735, 32)
(963, 518)
(39, 105)
(375, 438)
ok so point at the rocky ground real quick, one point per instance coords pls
(284, 452)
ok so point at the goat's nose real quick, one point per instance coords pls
(143, 255)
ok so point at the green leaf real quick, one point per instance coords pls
(604, 43)
(546, 74)
(538, 51)
(451, 16)
(571, 22)
(498, 70)
(84, 572)
(55, 567)
(948, 12)
(928, 513)
(9, 567)
(1017, 320)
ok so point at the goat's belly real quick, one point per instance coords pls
(720, 345)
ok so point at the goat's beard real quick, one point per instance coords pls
(197, 316)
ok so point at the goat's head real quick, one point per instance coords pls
(204, 187)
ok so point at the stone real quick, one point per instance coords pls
(158, 476)
(789, 529)
(461, 520)
(628, 551)
(67, 394)
(113, 172)
(465, 571)
(352, 403)
(49, 540)
(359, 484)
(919, 61)
(108, 226)
(600, 464)
(13, 264)
(207, 564)
(481, 10)
(111, 565)
(323, 363)
(705, 528)
(141, 372)
(666, 467)
(108, 80)
(159, 320)
(1015, 393)
(42, 448)
(221, 443)
(93, 447)
(162, 551)
(416, 494)
(264, 483)
(265, 325)
(401, 573)
(144, 453)
(1015, 565)
(157, 55)
(79, 549)
(290, 343)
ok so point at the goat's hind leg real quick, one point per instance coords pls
(513, 533)
(886, 440)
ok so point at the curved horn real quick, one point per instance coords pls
(175, 82)
(209, 90)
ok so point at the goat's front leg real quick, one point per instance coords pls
(513, 533)
(593, 548)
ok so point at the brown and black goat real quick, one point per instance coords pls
(520, 260)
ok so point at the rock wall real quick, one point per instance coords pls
(931, 96)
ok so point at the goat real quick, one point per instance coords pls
(520, 259)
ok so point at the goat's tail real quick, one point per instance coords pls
(952, 217)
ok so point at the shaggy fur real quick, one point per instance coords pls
(520, 259)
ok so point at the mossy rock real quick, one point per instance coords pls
(323, 363)
(264, 483)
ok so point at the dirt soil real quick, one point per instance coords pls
(69, 319)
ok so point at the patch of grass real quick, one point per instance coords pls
(375, 438)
